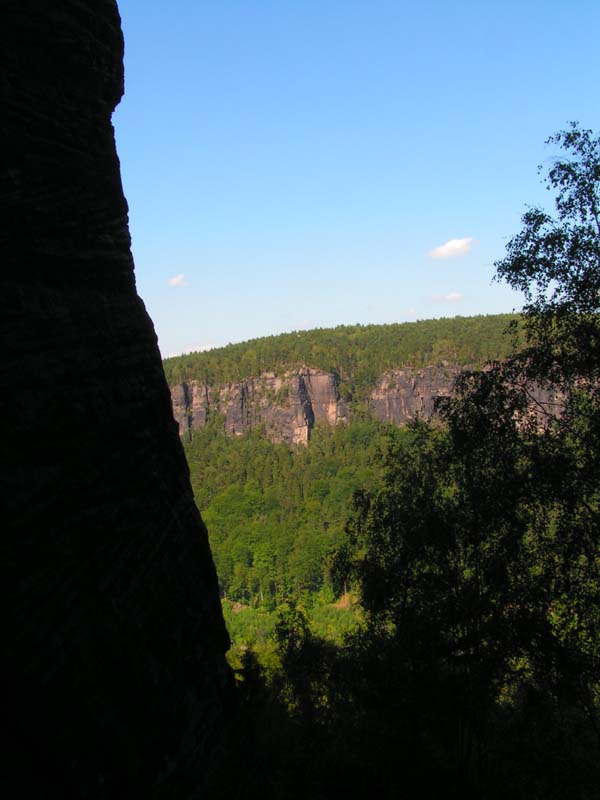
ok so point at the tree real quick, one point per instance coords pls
(479, 560)
(555, 262)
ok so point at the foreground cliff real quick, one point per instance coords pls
(113, 644)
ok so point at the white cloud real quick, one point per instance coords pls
(177, 280)
(451, 297)
(452, 248)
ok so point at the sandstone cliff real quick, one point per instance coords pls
(113, 645)
(402, 395)
(290, 405)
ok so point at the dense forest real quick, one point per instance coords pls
(277, 515)
(356, 354)
(417, 612)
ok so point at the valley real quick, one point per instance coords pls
(276, 457)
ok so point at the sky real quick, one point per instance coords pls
(293, 164)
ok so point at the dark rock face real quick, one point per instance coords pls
(113, 645)
(402, 395)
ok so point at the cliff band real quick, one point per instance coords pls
(289, 405)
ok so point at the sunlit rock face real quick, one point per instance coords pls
(287, 406)
(113, 642)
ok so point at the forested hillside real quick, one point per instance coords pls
(276, 517)
(357, 354)
(276, 513)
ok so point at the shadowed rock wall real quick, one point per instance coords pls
(114, 677)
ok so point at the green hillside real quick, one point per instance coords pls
(358, 354)
(274, 513)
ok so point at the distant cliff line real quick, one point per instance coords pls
(291, 404)
(288, 406)
(290, 382)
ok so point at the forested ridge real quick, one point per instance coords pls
(356, 354)
(416, 612)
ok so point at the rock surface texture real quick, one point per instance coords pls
(113, 645)
(402, 395)
(290, 405)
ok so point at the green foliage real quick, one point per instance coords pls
(274, 513)
(555, 261)
(357, 354)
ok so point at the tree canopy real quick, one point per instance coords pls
(357, 354)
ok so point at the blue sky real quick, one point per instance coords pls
(296, 163)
